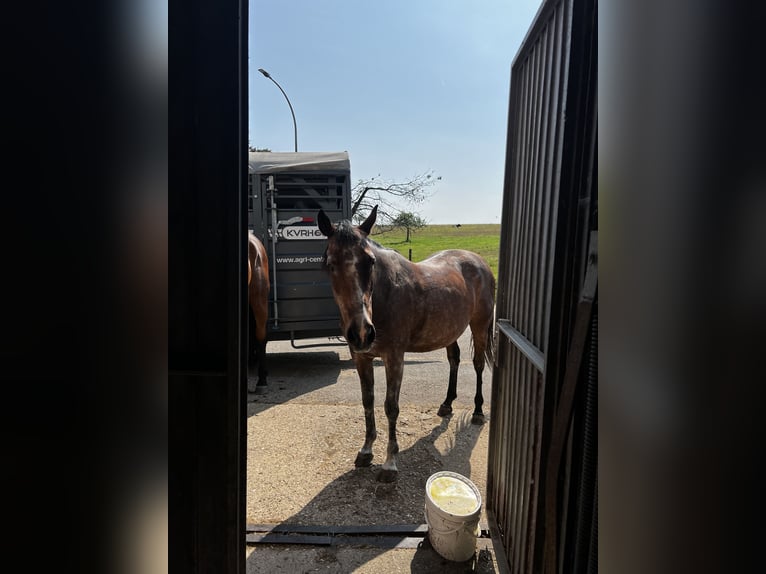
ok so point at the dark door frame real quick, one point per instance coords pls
(208, 119)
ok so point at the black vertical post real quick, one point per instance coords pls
(207, 284)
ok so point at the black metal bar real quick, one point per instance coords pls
(380, 536)
(586, 489)
(405, 529)
(280, 538)
(535, 355)
(497, 544)
(387, 542)
(563, 413)
(272, 199)
(519, 463)
(313, 345)
(351, 530)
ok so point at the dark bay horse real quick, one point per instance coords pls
(258, 296)
(389, 306)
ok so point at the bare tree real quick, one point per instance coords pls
(388, 195)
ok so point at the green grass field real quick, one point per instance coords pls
(483, 239)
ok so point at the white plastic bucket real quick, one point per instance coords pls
(453, 508)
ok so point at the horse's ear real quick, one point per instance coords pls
(366, 227)
(325, 225)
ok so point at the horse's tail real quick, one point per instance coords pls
(489, 350)
(489, 347)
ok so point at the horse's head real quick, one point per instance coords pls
(350, 261)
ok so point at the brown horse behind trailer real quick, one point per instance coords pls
(258, 296)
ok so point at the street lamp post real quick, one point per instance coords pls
(295, 125)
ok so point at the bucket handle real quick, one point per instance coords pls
(452, 531)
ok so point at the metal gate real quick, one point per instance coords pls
(542, 458)
(287, 190)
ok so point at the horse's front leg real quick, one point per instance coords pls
(394, 369)
(366, 377)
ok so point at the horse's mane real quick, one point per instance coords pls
(347, 235)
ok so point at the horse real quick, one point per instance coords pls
(258, 297)
(389, 306)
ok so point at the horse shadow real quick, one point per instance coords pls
(356, 498)
(306, 372)
(295, 373)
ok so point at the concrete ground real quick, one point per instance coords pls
(303, 434)
(365, 560)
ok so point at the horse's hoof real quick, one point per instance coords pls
(477, 419)
(444, 410)
(386, 475)
(363, 459)
(261, 388)
(252, 387)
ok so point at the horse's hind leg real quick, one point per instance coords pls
(453, 356)
(366, 378)
(252, 350)
(479, 346)
(260, 315)
(260, 347)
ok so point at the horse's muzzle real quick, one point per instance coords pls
(358, 343)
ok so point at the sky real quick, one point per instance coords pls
(404, 86)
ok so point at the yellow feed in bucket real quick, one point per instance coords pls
(453, 496)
